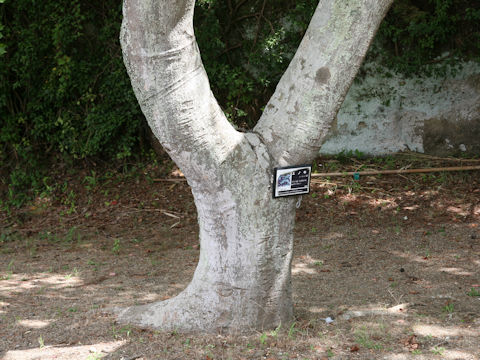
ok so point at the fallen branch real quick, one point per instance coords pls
(399, 171)
(431, 157)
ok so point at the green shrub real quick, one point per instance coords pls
(64, 90)
(418, 36)
(64, 85)
(246, 46)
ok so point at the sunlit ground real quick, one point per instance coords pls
(377, 274)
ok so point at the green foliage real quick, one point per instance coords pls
(63, 87)
(474, 292)
(3, 47)
(429, 36)
(246, 46)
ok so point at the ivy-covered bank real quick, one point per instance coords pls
(65, 95)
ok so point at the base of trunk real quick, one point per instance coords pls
(213, 312)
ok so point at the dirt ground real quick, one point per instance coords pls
(393, 260)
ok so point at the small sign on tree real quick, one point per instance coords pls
(291, 180)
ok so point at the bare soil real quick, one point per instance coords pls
(392, 260)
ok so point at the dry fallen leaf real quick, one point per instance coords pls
(354, 348)
(411, 342)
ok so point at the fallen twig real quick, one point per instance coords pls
(133, 209)
(431, 157)
(171, 215)
(169, 180)
(171, 227)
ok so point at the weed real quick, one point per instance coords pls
(344, 156)
(274, 333)
(438, 350)
(330, 353)
(331, 166)
(126, 330)
(71, 235)
(116, 246)
(7, 236)
(397, 229)
(74, 272)
(263, 338)
(94, 356)
(364, 340)
(473, 292)
(292, 330)
(9, 271)
(41, 342)
(48, 236)
(32, 246)
(416, 352)
(70, 201)
(389, 162)
(318, 263)
(449, 308)
(93, 263)
(443, 178)
(354, 187)
(91, 181)
(8, 276)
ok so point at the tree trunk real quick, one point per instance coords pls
(242, 281)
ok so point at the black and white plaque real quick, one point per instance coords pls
(291, 180)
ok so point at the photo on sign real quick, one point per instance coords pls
(284, 181)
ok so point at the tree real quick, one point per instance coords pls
(243, 279)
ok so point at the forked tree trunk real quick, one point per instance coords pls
(243, 280)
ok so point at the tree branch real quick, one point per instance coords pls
(310, 93)
(170, 83)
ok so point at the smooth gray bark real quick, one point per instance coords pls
(243, 280)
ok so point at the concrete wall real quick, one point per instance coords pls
(385, 113)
